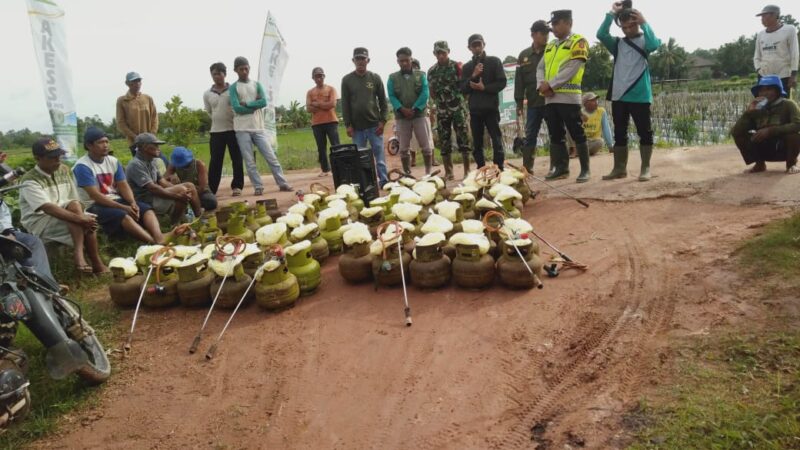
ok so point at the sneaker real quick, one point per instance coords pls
(286, 188)
(258, 191)
(236, 192)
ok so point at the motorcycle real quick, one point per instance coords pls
(57, 322)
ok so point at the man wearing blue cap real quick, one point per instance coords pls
(768, 130)
(105, 192)
(183, 164)
(136, 111)
(50, 206)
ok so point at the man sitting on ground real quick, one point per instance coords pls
(51, 209)
(595, 124)
(106, 193)
(183, 164)
(768, 130)
(150, 187)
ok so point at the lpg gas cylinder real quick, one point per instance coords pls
(236, 228)
(233, 290)
(310, 232)
(304, 266)
(271, 206)
(277, 287)
(209, 230)
(332, 233)
(388, 257)
(467, 202)
(250, 220)
(194, 281)
(162, 290)
(372, 217)
(223, 214)
(261, 216)
(473, 269)
(355, 265)
(513, 271)
(252, 262)
(126, 284)
(430, 269)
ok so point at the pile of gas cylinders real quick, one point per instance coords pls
(421, 231)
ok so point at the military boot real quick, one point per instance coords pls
(428, 160)
(646, 152)
(465, 160)
(559, 162)
(406, 161)
(583, 157)
(447, 160)
(413, 158)
(620, 169)
(528, 154)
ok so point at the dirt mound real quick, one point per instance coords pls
(490, 369)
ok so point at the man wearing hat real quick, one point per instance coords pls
(630, 89)
(408, 94)
(248, 101)
(525, 85)
(50, 206)
(321, 103)
(777, 50)
(364, 109)
(559, 75)
(482, 79)
(150, 187)
(136, 111)
(188, 169)
(105, 192)
(448, 102)
(596, 124)
(768, 130)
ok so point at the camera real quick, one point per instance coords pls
(7, 174)
(627, 4)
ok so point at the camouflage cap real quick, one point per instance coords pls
(440, 46)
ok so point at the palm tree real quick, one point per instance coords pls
(670, 59)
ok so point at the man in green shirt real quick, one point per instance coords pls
(408, 93)
(768, 130)
(525, 88)
(364, 109)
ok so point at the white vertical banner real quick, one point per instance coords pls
(271, 66)
(50, 43)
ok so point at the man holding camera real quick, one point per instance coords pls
(559, 75)
(630, 91)
(50, 207)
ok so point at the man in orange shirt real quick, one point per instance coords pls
(321, 103)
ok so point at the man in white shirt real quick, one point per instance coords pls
(217, 103)
(777, 50)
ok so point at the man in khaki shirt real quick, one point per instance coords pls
(136, 112)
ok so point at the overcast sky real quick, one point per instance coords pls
(171, 43)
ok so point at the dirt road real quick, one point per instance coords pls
(492, 369)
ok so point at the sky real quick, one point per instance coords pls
(172, 43)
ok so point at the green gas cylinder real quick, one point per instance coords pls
(124, 291)
(233, 290)
(303, 265)
(513, 269)
(332, 233)
(162, 289)
(209, 230)
(237, 228)
(194, 282)
(261, 216)
(277, 287)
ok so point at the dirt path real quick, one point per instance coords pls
(493, 369)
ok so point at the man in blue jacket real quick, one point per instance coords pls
(630, 91)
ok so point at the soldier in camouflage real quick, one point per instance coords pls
(448, 101)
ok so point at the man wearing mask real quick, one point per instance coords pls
(364, 109)
(408, 93)
(483, 78)
(525, 89)
(777, 51)
(559, 75)
(136, 111)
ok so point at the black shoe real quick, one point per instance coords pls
(557, 174)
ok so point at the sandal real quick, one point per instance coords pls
(793, 170)
(86, 268)
(236, 192)
(258, 191)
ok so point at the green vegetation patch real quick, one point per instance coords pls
(775, 253)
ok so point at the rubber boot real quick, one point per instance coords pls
(559, 161)
(527, 158)
(447, 160)
(428, 160)
(583, 157)
(406, 161)
(646, 152)
(620, 169)
(465, 160)
(413, 159)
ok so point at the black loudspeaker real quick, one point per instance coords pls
(351, 165)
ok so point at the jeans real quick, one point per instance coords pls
(323, 133)
(38, 259)
(489, 118)
(360, 138)
(246, 139)
(217, 145)
(622, 112)
(533, 124)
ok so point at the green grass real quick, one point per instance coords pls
(740, 390)
(52, 399)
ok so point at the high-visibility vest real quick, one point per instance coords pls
(556, 54)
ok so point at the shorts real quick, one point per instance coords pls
(110, 219)
(50, 229)
(163, 206)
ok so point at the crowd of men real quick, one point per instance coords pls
(68, 206)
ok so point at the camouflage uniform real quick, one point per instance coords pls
(449, 104)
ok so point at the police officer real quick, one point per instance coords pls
(449, 104)
(559, 75)
(525, 88)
